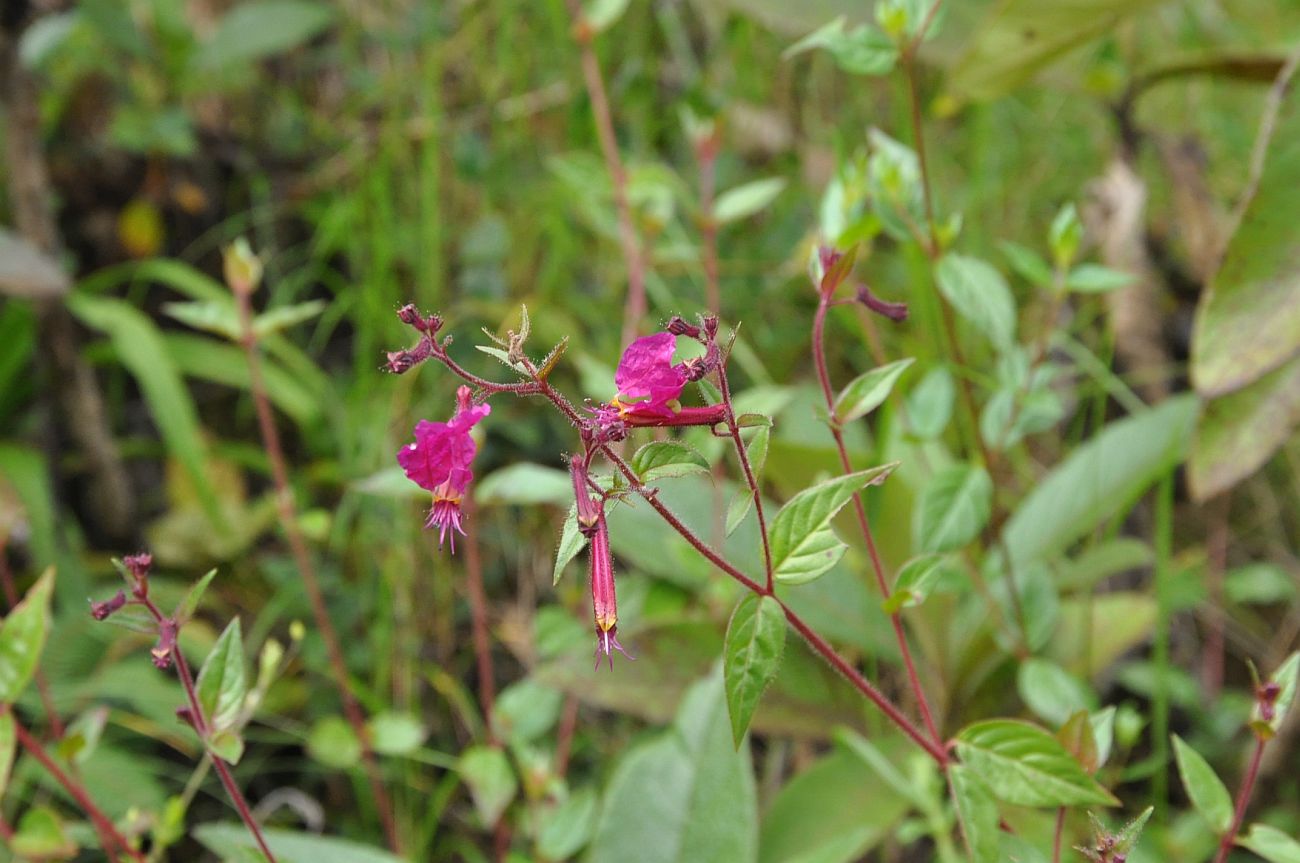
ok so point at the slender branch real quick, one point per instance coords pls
(201, 727)
(478, 616)
(635, 307)
(109, 837)
(564, 736)
(859, 509)
(1243, 800)
(1058, 834)
(306, 569)
(747, 469)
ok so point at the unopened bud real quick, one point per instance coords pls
(102, 610)
(679, 327)
(893, 311)
(243, 269)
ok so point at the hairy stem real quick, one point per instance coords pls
(859, 509)
(747, 469)
(306, 569)
(109, 837)
(1243, 800)
(635, 308)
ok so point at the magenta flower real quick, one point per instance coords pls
(439, 461)
(649, 385)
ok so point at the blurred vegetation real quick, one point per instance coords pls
(444, 154)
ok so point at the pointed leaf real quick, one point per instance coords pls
(1271, 844)
(1096, 279)
(491, 781)
(186, 607)
(1052, 692)
(333, 743)
(953, 509)
(282, 318)
(600, 15)
(1207, 792)
(22, 637)
(660, 459)
(979, 294)
(1077, 737)
(914, 582)
(803, 544)
(222, 682)
(868, 391)
(745, 200)
(571, 543)
(1025, 765)
(751, 656)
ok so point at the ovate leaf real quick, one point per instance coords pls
(600, 15)
(23, 636)
(333, 743)
(227, 840)
(978, 813)
(953, 509)
(1204, 788)
(746, 200)
(1025, 765)
(1271, 844)
(867, 392)
(751, 656)
(1051, 691)
(253, 31)
(223, 681)
(572, 541)
(981, 295)
(491, 781)
(660, 459)
(803, 544)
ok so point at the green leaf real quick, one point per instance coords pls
(8, 743)
(1051, 692)
(1240, 431)
(929, 405)
(1077, 736)
(227, 745)
(861, 51)
(1096, 279)
(567, 828)
(978, 813)
(953, 509)
(223, 682)
(756, 450)
(1259, 584)
(226, 840)
(41, 836)
(22, 636)
(218, 317)
(868, 391)
(600, 15)
(1103, 732)
(283, 317)
(1204, 788)
(832, 812)
(668, 458)
(1065, 234)
(1271, 844)
(684, 796)
(747, 199)
(333, 743)
(1101, 477)
(1026, 766)
(751, 657)
(140, 348)
(393, 733)
(1104, 560)
(572, 541)
(526, 710)
(1248, 321)
(210, 360)
(1018, 38)
(1028, 263)
(186, 607)
(525, 484)
(803, 544)
(491, 781)
(914, 582)
(979, 294)
(253, 31)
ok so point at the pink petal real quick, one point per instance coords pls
(647, 371)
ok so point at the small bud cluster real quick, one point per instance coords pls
(399, 362)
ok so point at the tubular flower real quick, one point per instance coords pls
(439, 461)
(603, 601)
(649, 385)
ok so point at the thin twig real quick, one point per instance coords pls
(1058, 834)
(306, 569)
(635, 308)
(109, 837)
(750, 480)
(1243, 800)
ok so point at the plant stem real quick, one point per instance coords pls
(478, 617)
(1243, 800)
(635, 308)
(306, 569)
(1057, 835)
(200, 721)
(747, 469)
(109, 837)
(823, 376)
(1163, 542)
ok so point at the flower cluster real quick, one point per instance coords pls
(439, 461)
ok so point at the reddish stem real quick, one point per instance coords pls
(564, 737)
(635, 308)
(1217, 554)
(859, 509)
(748, 470)
(109, 837)
(1058, 835)
(1243, 800)
(200, 721)
(478, 617)
(302, 557)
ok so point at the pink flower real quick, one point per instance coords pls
(648, 382)
(439, 461)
